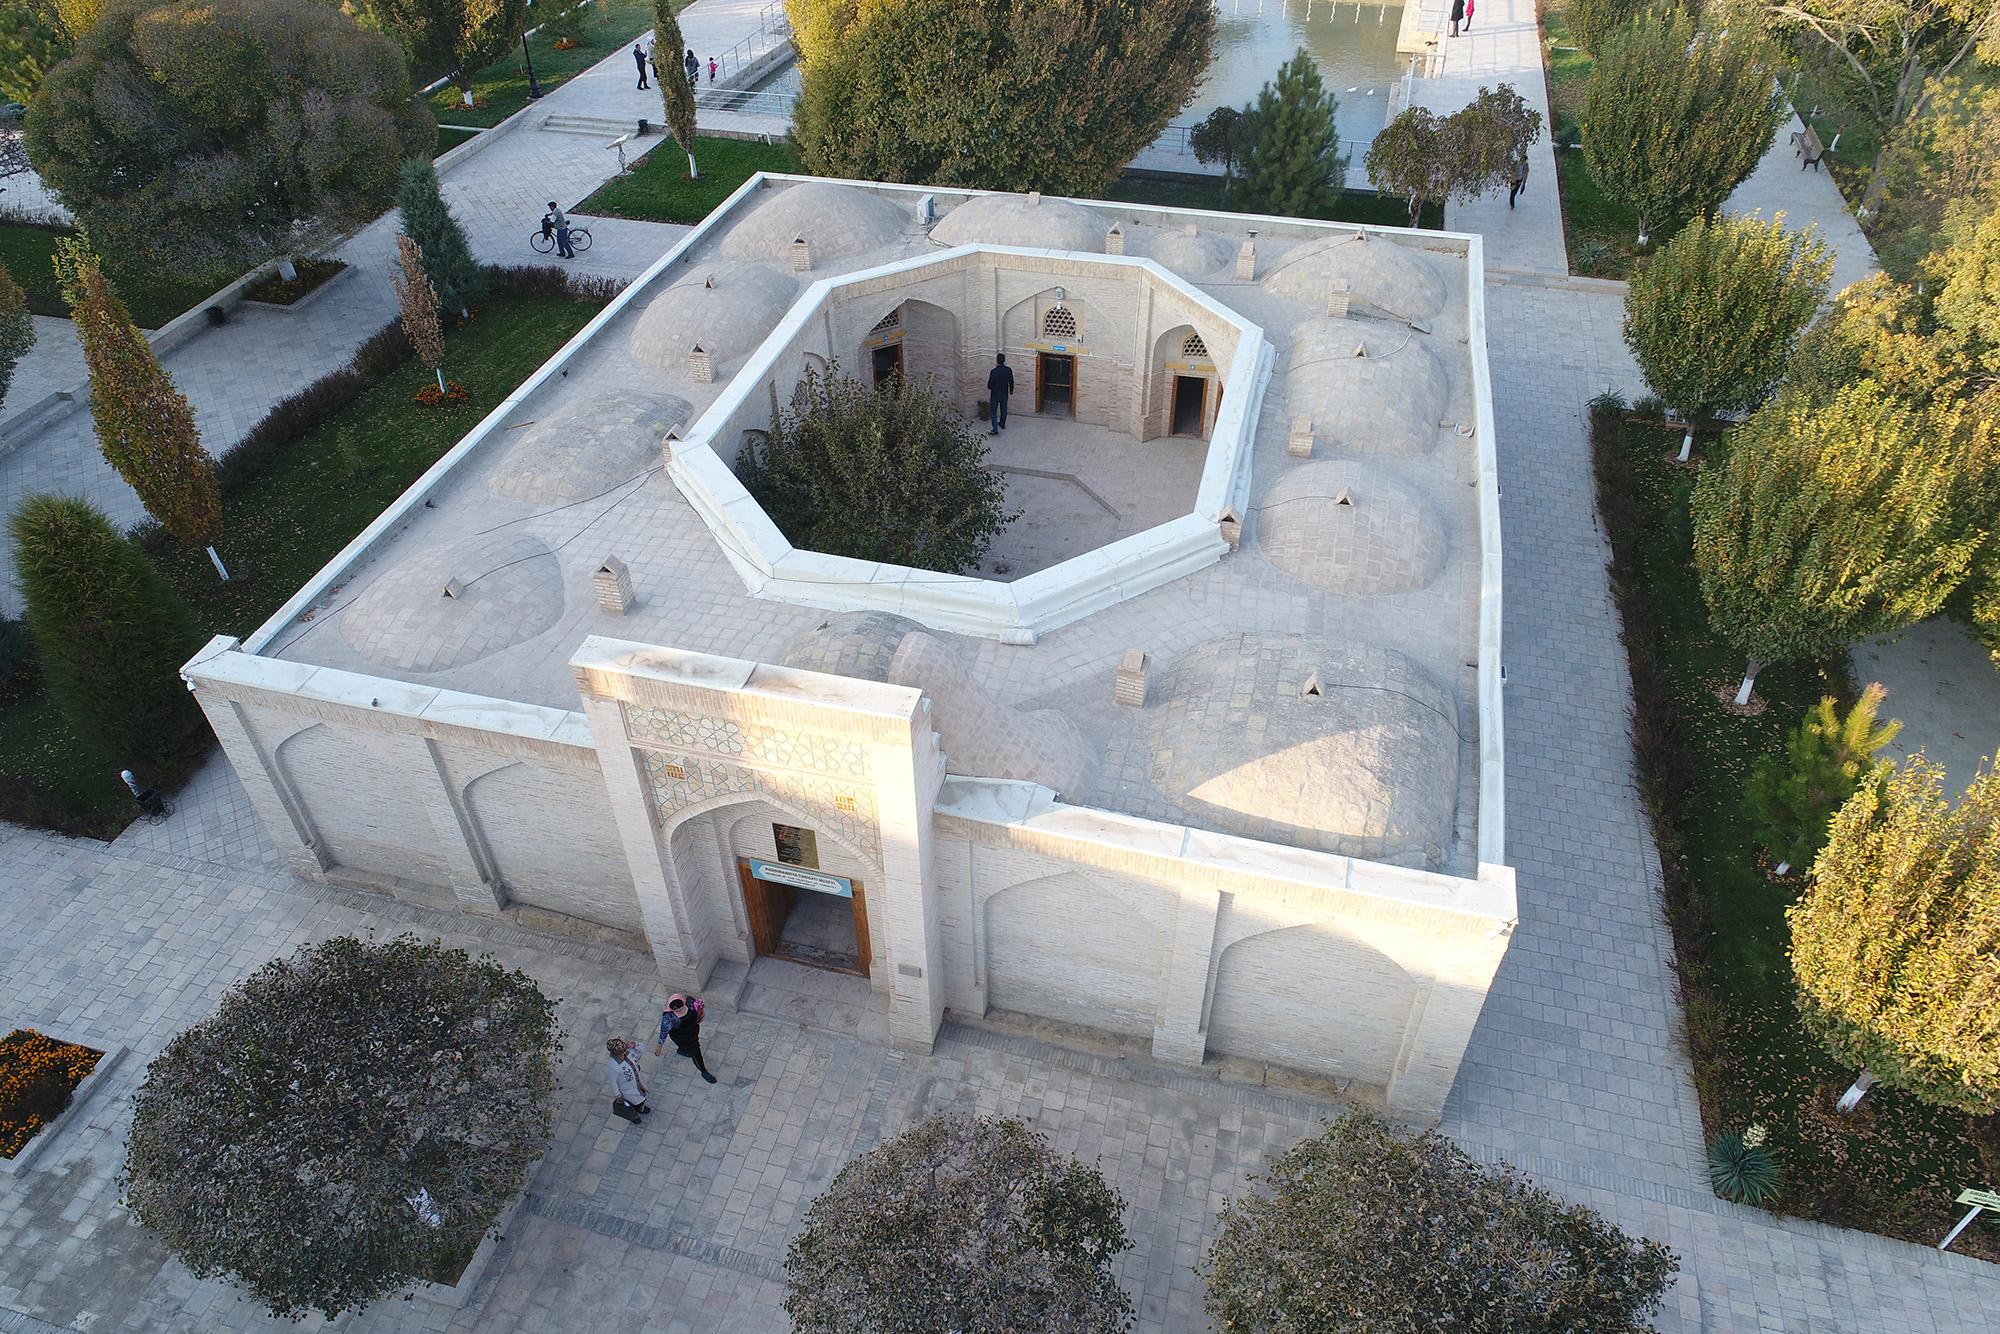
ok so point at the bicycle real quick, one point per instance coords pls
(545, 242)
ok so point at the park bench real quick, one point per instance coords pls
(1810, 149)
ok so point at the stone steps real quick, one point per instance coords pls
(606, 128)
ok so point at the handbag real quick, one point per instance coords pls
(619, 1107)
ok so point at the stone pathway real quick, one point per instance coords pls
(1806, 198)
(1945, 689)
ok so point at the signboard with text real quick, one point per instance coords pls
(799, 877)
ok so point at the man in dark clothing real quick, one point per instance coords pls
(639, 57)
(681, 1022)
(693, 68)
(999, 384)
(1520, 176)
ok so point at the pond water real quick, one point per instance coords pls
(1355, 45)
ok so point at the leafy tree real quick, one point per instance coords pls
(1592, 21)
(418, 305)
(1940, 169)
(111, 635)
(1715, 318)
(994, 94)
(32, 42)
(962, 1223)
(890, 473)
(17, 328)
(1368, 1227)
(1894, 941)
(1826, 758)
(1676, 115)
(1828, 522)
(1889, 55)
(217, 135)
(1217, 138)
(457, 277)
(348, 1119)
(1428, 158)
(454, 37)
(145, 427)
(676, 93)
(1289, 152)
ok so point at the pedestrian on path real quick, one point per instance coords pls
(560, 221)
(711, 69)
(628, 1090)
(1520, 175)
(681, 1022)
(639, 58)
(1457, 15)
(999, 384)
(693, 68)
(1468, 13)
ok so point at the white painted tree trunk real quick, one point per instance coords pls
(1749, 680)
(1687, 444)
(1852, 1098)
(693, 174)
(439, 371)
(1644, 235)
(466, 93)
(287, 270)
(1784, 869)
(220, 568)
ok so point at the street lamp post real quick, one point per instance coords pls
(534, 88)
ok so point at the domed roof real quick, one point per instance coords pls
(860, 644)
(1347, 528)
(1396, 278)
(457, 604)
(1186, 251)
(1367, 387)
(980, 736)
(1022, 220)
(836, 220)
(573, 455)
(727, 308)
(1349, 748)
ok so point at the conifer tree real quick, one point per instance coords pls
(419, 307)
(144, 425)
(111, 635)
(17, 328)
(1894, 941)
(1827, 756)
(1290, 162)
(676, 94)
(1828, 522)
(455, 275)
(1676, 115)
(1715, 318)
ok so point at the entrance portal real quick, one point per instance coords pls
(888, 362)
(1055, 384)
(821, 929)
(1190, 398)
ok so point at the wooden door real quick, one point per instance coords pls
(765, 910)
(862, 953)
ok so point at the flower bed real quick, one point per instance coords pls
(37, 1076)
(313, 274)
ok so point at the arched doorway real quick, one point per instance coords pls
(1185, 389)
(803, 892)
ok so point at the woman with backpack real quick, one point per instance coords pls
(681, 1022)
(628, 1090)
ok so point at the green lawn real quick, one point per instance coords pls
(1193, 191)
(1894, 1168)
(289, 521)
(154, 297)
(502, 88)
(658, 189)
(1601, 234)
(450, 137)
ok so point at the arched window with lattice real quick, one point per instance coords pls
(1193, 349)
(1058, 324)
(893, 320)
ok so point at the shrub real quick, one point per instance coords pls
(349, 1118)
(458, 278)
(1368, 1226)
(1591, 21)
(1741, 1169)
(111, 636)
(17, 661)
(961, 1223)
(17, 328)
(1826, 758)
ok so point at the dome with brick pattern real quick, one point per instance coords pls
(726, 309)
(1395, 279)
(860, 644)
(448, 606)
(1368, 388)
(1346, 527)
(602, 440)
(835, 221)
(1022, 220)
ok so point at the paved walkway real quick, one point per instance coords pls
(1574, 1072)
(1806, 198)
(1945, 689)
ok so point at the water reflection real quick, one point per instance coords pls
(1355, 45)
